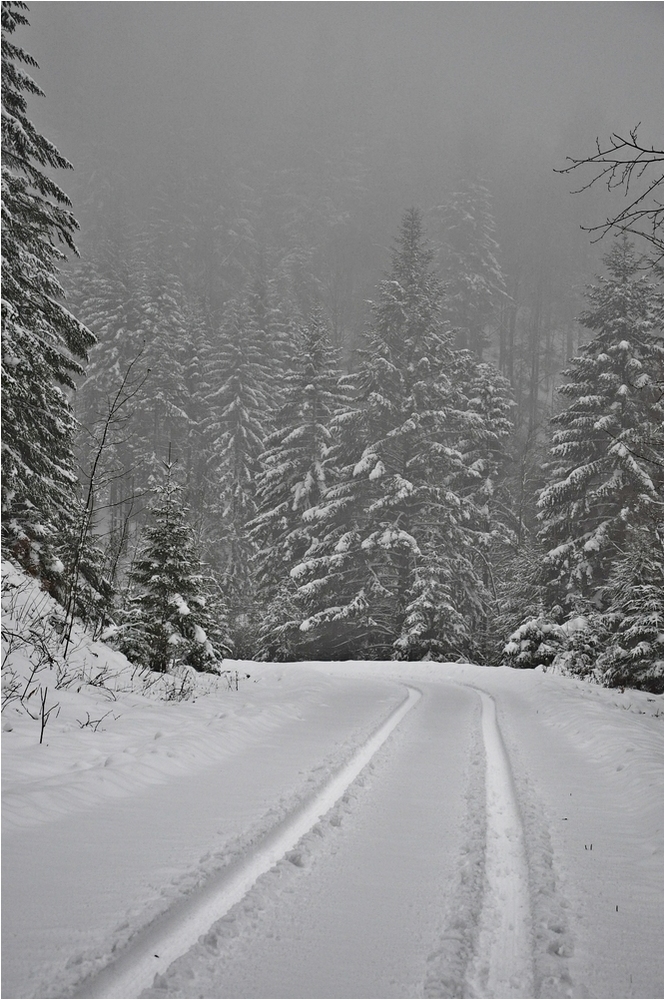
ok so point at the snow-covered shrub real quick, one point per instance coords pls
(582, 642)
(127, 633)
(535, 643)
(640, 667)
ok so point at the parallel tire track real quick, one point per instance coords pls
(503, 961)
(154, 948)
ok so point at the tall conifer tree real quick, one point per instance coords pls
(606, 475)
(390, 569)
(239, 415)
(298, 467)
(42, 343)
(297, 463)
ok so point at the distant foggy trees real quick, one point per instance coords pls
(239, 403)
(475, 286)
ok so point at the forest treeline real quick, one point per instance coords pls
(219, 448)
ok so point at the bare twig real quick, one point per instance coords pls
(621, 164)
(93, 723)
(129, 387)
(11, 685)
(45, 713)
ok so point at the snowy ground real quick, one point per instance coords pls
(323, 831)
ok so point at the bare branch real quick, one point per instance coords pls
(621, 165)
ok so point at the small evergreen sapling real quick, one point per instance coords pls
(170, 620)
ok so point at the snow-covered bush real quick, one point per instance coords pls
(536, 643)
(582, 642)
(571, 647)
(614, 649)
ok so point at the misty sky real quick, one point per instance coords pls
(426, 89)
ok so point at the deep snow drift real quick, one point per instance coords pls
(135, 802)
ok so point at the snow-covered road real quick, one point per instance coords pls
(356, 909)
(503, 839)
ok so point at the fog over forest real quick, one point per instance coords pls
(346, 114)
(414, 95)
(253, 182)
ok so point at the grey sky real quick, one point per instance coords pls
(426, 90)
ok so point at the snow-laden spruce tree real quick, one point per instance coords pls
(606, 473)
(173, 615)
(474, 282)
(42, 343)
(390, 569)
(632, 627)
(238, 419)
(603, 508)
(297, 469)
(482, 427)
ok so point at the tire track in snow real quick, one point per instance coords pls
(155, 947)
(503, 961)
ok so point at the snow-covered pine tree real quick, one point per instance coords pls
(239, 415)
(271, 317)
(632, 626)
(389, 572)
(297, 468)
(168, 621)
(474, 282)
(483, 426)
(296, 463)
(42, 342)
(606, 475)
